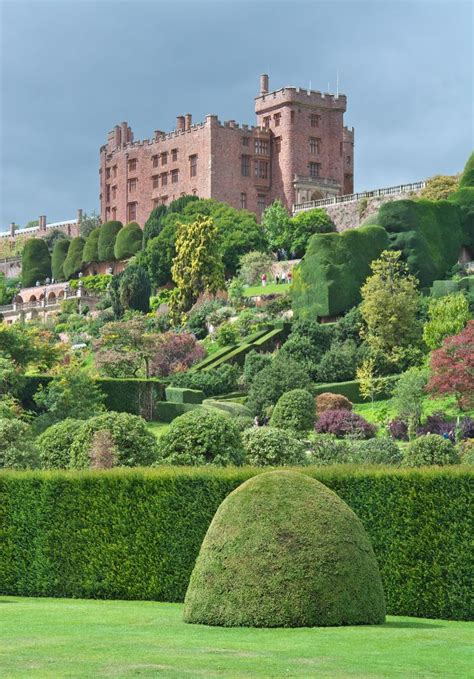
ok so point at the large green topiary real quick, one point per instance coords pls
(107, 236)
(129, 241)
(55, 443)
(285, 551)
(35, 262)
(335, 265)
(467, 177)
(91, 247)
(58, 257)
(295, 410)
(73, 262)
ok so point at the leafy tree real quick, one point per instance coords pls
(135, 288)
(181, 203)
(159, 253)
(304, 351)
(389, 307)
(439, 187)
(304, 225)
(283, 374)
(88, 224)
(17, 447)
(58, 258)
(129, 342)
(235, 290)
(72, 393)
(407, 399)
(35, 262)
(198, 265)
(452, 367)
(28, 346)
(52, 237)
(253, 264)
(154, 223)
(91, 247)
(369, 383)
(447, 316)
(129, 241)
(73, 262)
(8, 288)
(174, 352)
(32, 223)
(275, 221)
(107, 236)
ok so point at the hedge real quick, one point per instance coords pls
(447, 287)
(73, 262)
(58, 257)
(91, 247)
(140, 536)
(129, 241)
(108, 234)
(231, 407)
(165, 411)
(183, 395)
(35, 262)
(350, 389)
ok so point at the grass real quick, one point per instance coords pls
(158, 428)
(382, 411)
(270, 289)
(56, 638)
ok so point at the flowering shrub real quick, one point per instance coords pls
(343, 423)
(398, 429)
(175, 352)
(329, 401)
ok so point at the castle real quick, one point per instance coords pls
(298, 151)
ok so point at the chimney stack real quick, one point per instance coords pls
(180, 123)
(12, 229)
(188, 121)
(264, 84)
(79, 215)
(42, 222)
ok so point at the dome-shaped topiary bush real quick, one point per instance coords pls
(430, 449)
(73, 262)
(330, 401)
(134, 443)
(294, 410)
(343, 423)
(91, 247)
(269, 446)
(107, 236)
(285, 551)
(129, 241)
(375, 451)
(35, 262)
(55, 443)
(58, 257)
(202, 437)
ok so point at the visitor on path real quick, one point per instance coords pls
(264, 279)
(277, 279)
(283, 277)
(288, 278)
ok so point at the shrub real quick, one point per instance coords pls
(295, 411)
(452, 367)
(107, 236)
(128, 242)
(270, 446)
(398, 429)
(35, 262)
(227, 335)
(197, 318)
(73, 262)
(327, 449)
(175, 352)
(436, 424)
(465, 450)
(17, 448)
(58, 257)
(339, 363)
(466, 428)
(243, 422)
(304, 225)
(430, 449)
(302, 350)
(329, 401)
(254, 363)
(268, 560)
(201, 437)
(134, 289)
(375, 451)
(283, 374)
(91, 247)
(343, 423)
(135, 444)
(55, 444)
(220, 380)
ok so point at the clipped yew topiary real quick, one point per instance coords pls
(107, 237)
(73, 262)
(55, 443)
(294, 410)
(330, 401)
(58, 257)
(285, 551)
(91, 247)
(129, 241)
(35, 262)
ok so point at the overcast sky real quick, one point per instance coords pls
(71, 70)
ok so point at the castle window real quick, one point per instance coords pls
(245, 141)
(193, 161)
(314, 119)
(314, 145)
(132, 185)
(261, 203)
(348, 160)
(132, 165)
(107, 214)
(114, 213)
(131, 211)
(114, 171)
(245, 166)
(277, 144)
(243, 201)
(292, 116)
(194, 192)
(174, 176)
(174, 155)
(261, 147)
(261, 169)
(107, 172)
(164, 157)
(107, 192)
(314, 169)
(114, 192)
(164, 179)
(276, 119)
(155, 181)
(266, 121)
(155, 160)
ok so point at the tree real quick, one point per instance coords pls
(91, 247)
(8, 289)
(198, 266)
(35, 262)
(129, 241)
(283, 374)
(452, 367)
(129, 342)
(253, 264)
(52, 237)
(275, 221)
(173, 352)
(135, 288)
(108, 234)
(89, 223)
(159, 253)
(447, 316)
(439, 187)
(390, 302)
(407, 399)
(58, 258)
(28, 346)
(154, 223)
(73, 262)
(304, 225)
(369, 383)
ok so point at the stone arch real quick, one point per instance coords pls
(317, 195)
(33, 298)
(51, 296)
(18, 299)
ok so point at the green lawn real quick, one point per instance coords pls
(381, 411)
(270, 289)
(55, 638)
(157, 428)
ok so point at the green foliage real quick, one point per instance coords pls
(276, 221)
(96, 283)
(439, 187)
(254, 363)
(58, 257)
(17, 447)
(375, 451)
(283, 374)
(135, 396)
(467, 177)
(91, 247)
(154, 223)
(8, 289)
(430, 449)
(220, 380)
(295, 410)
(268, 560)
(159, 254)
(327, 449)
(107, 236)
(447, 316)
(201, 437)
(129, 241)
(178, 205)
(134, 288)
(339, 363)
(73, 262)
(182, 395)
(89, 223)
(272, 447)
(55, 444)
(351, 389)
(304, 225)
(227, 334)
(28, 346)
(35, 262)
(134, 443)
(328, 280)
(407, 400)
(253, 264)
(102, 549)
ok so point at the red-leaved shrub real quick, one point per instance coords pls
(175, 352)
(330, 401)
(452, 367)
(343, 423)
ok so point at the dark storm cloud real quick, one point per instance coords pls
(71, 70)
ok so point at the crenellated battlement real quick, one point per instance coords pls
(297, 95)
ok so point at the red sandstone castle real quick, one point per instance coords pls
(299, 151)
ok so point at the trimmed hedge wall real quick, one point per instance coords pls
(350, 389)
(139, 537)
(183, 395)
(165, 411)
